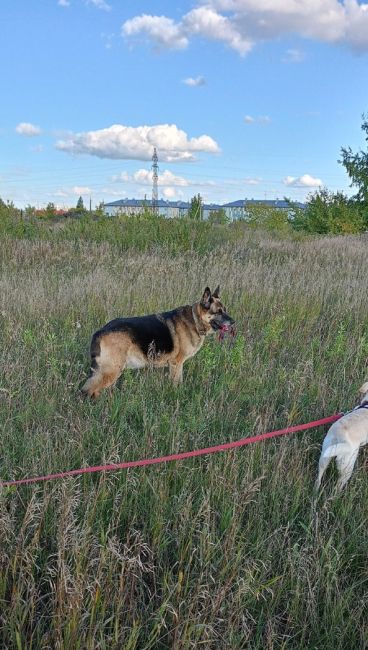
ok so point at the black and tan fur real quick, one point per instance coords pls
(165, 339)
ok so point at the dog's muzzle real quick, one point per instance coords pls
(224, 325)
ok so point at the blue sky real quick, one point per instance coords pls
(242, 98)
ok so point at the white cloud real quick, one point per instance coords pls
(161, 30)
(242, 23)
(197, 81)
(30, 130)
(293, 56)
(99, 4)
(137, 143)
(71, 192)
(81, 189)
(63, 3)
(252, 181)
(208, 23)
(122, 177)
(202, 21)
(166, 179)
(171, 193)
(302, 181)
(261, 119)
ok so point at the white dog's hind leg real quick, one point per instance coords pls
(345, 463)
(329, 452)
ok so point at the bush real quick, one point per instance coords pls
(328, 212)
(218, 216)
(268, 218)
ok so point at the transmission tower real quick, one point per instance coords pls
(154, 182)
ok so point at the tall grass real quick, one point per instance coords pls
(140, 232)
(226, 551)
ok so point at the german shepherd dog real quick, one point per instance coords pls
(165, 339)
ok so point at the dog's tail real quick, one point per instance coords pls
(95, 351)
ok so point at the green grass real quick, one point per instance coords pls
(226, 551)
(141, 232)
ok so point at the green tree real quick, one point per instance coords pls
(30, 210)
(356, 165)
(218, 216)
(195, 209)
(261, 215)
(50, 210)
(8, 211)
(100, 209)
(80, 205)
(330, 212)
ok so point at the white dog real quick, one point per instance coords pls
(343, 440)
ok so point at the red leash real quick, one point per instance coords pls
(172, 457)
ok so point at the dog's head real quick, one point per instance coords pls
(213, 313)
(363, 393)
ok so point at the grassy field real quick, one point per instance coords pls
(227, 551)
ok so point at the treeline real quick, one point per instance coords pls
(52, 212)
(324, 212)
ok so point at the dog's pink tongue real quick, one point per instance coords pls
(223, 329)
(226, 328)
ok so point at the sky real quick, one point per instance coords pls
(241, 98)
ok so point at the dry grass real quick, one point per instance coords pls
(228, 551)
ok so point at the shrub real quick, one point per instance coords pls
(329, 212)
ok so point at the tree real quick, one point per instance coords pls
(195, 210)
(330, 212)
(80, 205)
(100, 209)
(261, 215)
(356, 165)
(218, 216)
(50, 210)
(30, 210)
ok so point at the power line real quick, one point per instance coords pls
(70, 175)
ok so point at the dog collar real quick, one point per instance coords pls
(362, 406)
(357, 408)
(201, 330)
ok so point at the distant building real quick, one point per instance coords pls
(239, 209)
(169, 209)
(173, 209)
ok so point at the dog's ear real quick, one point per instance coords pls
(364, 389)
(205, 300)
(216, 293)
